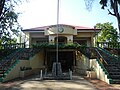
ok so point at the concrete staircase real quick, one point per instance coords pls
(110, 63)
(113, 69)
(112, 66)
(8, 63)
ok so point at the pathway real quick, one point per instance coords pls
(78, 83)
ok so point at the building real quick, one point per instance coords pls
(72, 46)
(66, 34)
(63, 34)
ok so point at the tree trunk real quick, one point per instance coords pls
(2, 3)
(119, 24)
(117, 14)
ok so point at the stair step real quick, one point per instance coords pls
(112, 67)
(1, 75)
(9, 60)
(114, 73)
(116, 81)
(115, 76)
(1, 72)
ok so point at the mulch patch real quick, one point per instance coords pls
(8, 84)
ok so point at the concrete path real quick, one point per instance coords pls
(78, 83)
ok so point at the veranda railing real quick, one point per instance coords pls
(108, 44)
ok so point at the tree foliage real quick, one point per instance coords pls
(113, 7)
(108, 33)
(9, 25)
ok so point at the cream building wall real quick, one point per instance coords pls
(15, 72)
(67, 31)
(69, 38)
(100, 72)
(37, 61)
(88, 36)
(82, 63)
(84, 34)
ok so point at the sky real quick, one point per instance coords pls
(36, 13)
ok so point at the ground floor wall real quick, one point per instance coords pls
(82, 63)
(71, 59)
(99, 71)
(37, 61)
(15, 71)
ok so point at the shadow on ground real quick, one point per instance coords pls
(34, 83)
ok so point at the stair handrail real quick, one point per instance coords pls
(13, 56)
(14, 46)
(101, 56)
(108, 44)
(2, 61)
(104, 50)
(104, 61)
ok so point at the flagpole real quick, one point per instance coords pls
(58, 2)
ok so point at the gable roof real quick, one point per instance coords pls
(42, 28)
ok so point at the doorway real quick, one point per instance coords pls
(61, 40)
(64, 57)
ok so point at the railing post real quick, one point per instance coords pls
(24, 45)
(16, 46)
(97, 44)
(70, 72)
(118, 45)
(45, 72)
(41, 77)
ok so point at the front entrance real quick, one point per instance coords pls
(64, 57)
(61, 40)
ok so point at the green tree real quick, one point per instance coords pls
(113, 7)
(107, 34)
(5, 5)
(9, 25)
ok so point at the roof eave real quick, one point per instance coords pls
(88, 30)
(30, 30)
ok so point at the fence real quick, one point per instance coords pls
(13, 46)
(108, 45)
